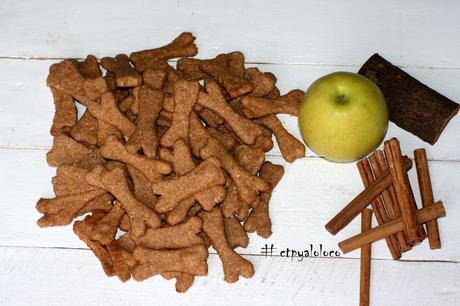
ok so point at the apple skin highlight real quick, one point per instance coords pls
(343, 117)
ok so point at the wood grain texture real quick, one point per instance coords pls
(332, 32)
(27, 109)
(74, 277)
(298, 42)
(310, 193)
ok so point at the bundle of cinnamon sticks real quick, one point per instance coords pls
(388, 191)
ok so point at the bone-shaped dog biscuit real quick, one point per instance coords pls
(65, 114)
(145, 136)
(233, 264)
(105, 229)
(246, 130)
(220, 71)
(190, 260)
(173, 237)
(125, 74)
(62, 210)
(151, 168)
(208, 174)
(185, 95)
(259, 218)
(140, 216)
(255, 107)
(66, 151)
(107, 110)
(181, 46)
(247, 185)
(291, 148)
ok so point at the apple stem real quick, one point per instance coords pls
(340, 99)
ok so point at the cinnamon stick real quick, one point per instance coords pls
(379, 165)
(414, 232)
(426, 193)
(349, 212)
(425, 214)
(365, 260)
(381, 216)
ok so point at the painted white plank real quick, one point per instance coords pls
(311, 192)
(332, 32)
(74, 277)
(27, 109)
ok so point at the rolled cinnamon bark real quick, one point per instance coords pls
(412, 105)
(379, 165)
(413, 231)
(426, 193)
(365, 260)
(378, 207)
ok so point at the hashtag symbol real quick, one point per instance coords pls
(268, 250)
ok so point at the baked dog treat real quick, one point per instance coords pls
(65, 114)
(166, 162)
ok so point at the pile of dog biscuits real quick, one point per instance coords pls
(165, 162)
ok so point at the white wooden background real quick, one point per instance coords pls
(299, 41)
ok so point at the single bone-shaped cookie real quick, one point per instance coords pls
(259, 218)
(107, 111)
(89, 68)
(151, 168)
(66, 77)
(233, 264)
(246, 130)
(62, 210)
(83, 229)
(173, 237)
(235, 233)
(254, 107)
(291, 148)
(140, 216)
(105, 229)
(85, 131)
(185, 96)
(190, 260)
(123, 261)
(66, 151)
(220, 70)
(70, 180)
(181, 46)
(125, 74)
(208, 174)
(65, 114)
(145, 136)
(263, 83)
(248, 158)
(247, 185)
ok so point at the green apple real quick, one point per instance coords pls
(343, 116)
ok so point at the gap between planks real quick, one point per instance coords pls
(47, 58)
(250, 255)
(47, 148)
